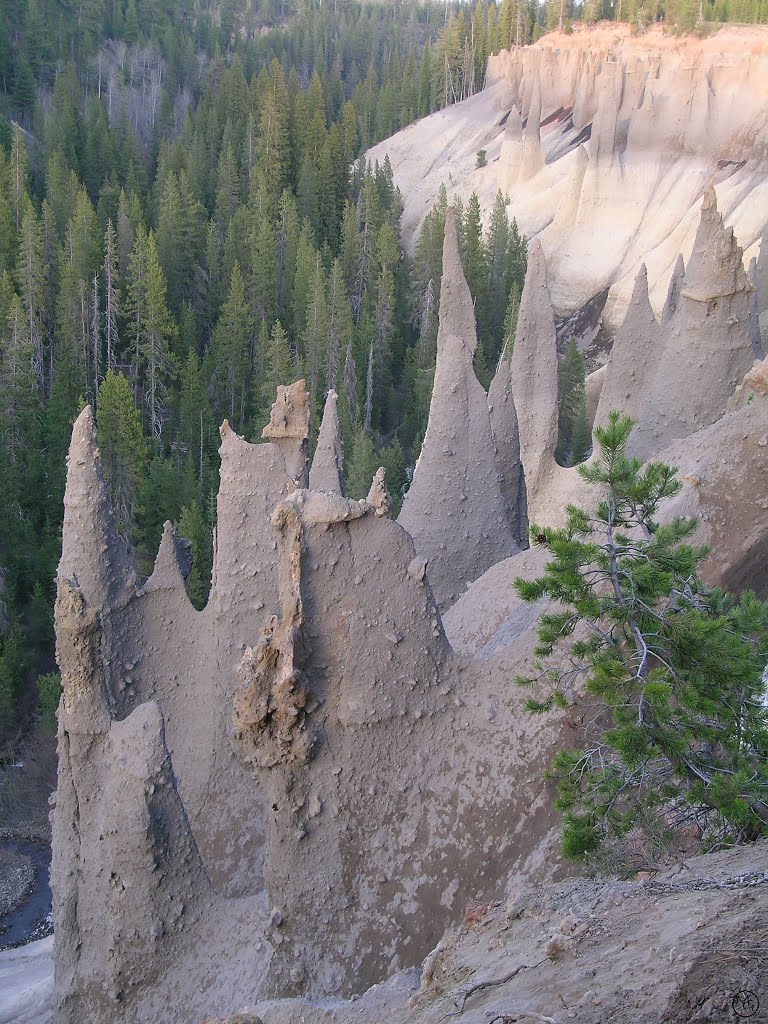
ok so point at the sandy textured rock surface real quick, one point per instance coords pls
(325, 473)
(707, 346)
(677, 946)
(454, 508)
(634, 128)
(288, 773)
(297, 790)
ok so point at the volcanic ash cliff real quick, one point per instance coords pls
(605, 143)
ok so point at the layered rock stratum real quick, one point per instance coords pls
(605, 143)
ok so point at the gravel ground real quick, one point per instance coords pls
(17, 876)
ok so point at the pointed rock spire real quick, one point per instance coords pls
(511, 149)
(92, 553)
(673, 292)
(603, 137)
(633, 357)
(532, 155)
(709, 343)
(716, 265)
(167, 574)
(534, 374)
(454, 509)
(754, 311)
(506, 439)
(134, 874)
(761, 273)
(325, 474)
(378, 495)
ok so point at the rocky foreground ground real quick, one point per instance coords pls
(685, 946)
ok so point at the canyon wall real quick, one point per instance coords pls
(605, 143)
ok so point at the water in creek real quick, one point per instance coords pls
(32, 918)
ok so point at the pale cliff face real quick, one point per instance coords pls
(632, 130)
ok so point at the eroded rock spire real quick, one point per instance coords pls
(673, 291)
(532, 155)
(454, 509)
(633, 357)
(709, 342)
(288, 427)
(93, 553)
(534, 375)
(506, 439)
(325, 474)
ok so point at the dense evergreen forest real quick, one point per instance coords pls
(187, 219)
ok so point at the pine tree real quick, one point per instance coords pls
(230, 352)
(18, 385)
(122, 447)
(196, 431)
(340, 328)
(573, 432)
(263, 286)
(314, 341)
(12, 669)
(192, 525)
(677, 668)
(510, 319)
(24, 87)
(273, 154)
(137, 299)
(279, 365)
(287, 248)
(95, 333)
(112, 308)
(361, 464)
(158, 330)
(18, 176)
(392, 458)
(31, 279)
(497, 259)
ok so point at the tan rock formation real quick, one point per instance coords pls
(506, 440)
(298, 789)
(757, 378)
(634, 357)
(708, 344)
(534, 382)
(635, 128)
(325, 474)
(319, 664)
(454, 508)
(594, 389)
(531, 155)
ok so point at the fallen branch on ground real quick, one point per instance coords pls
(465, 994)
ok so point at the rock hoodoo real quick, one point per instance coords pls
(297, 790)
(454, 509)
(325, 474)
(634, 357)
(708, 344)
(218, 768)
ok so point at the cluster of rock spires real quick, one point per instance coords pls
(604, 141)
(297, 789)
